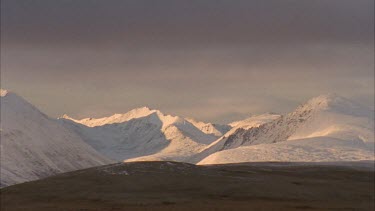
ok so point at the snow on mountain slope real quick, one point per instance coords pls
(254, 121)
(3, 92)
(327, 117)
(34, 146)
(209, 128)
(142, 134)
(116, 118)
(317, 149)
(251, 122)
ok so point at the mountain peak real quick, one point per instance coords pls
(327, 101)
(115, 118)
(135, 113)
(255, 120)
(140, 111)
(65, 116)
(336, 103)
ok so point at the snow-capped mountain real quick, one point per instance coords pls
(251, 122)
(326, 128)
(116, 118)
(210, 128)
(145, 134)
(34, 146)
(254, 121)
(317, 149)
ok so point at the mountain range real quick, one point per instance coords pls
(33, 145)
(326, 128)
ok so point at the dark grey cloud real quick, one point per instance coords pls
(184, 23)
(213, 60)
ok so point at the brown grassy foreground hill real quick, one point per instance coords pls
(181, 186)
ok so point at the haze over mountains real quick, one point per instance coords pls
(326, 128)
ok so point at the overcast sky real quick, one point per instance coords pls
(214, 60)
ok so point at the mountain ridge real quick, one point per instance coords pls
(144, 132)
(326, 117)
(325, 127)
